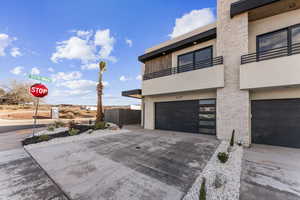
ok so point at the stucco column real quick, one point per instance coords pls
(233, 104)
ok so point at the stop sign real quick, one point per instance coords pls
(39, 90)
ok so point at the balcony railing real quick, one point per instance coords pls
(271, 54)
(185, 68)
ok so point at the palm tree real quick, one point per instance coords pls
(100, 115)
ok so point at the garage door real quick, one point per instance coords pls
(195, 116)
(276, 122)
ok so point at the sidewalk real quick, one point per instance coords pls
(7, 122)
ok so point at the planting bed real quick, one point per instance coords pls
(40, 138)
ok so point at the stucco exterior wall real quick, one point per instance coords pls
(275, 93)
(233, 105)
(206, 78)
(283, 71)
(150, 100)
(270, 24)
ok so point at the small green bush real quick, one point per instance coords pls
(202, 195)
(73, 131)
(223, 157)
(50, 128)
(232, 138)
(58, 124)
(43, 138)
(100, 125)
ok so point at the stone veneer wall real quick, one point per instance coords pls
(233, 104)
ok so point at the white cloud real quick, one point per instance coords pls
(192, 20)
(35, 70)
(106, 43)
(123, 78)
(5, 41)
(82, 33)
(15, 51)
(105, 83)
(50, 69)
(68, 93)
(74, 48)
(66, 76)
(90, 66)
(139, 77)
(79, 84)
(129, 42)
(17, 70)
(86, 48)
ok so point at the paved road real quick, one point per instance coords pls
(5, 129)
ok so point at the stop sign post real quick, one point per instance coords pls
(39, 91)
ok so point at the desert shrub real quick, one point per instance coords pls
(58, 124)
(100, 125)
(73, 131)
(50, 128)
(232, 138)
(202, 195)
(43, 138)
(223, 157)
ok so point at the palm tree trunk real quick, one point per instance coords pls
(99, 116)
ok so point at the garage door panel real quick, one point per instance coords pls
(177, 116)
(276, 122)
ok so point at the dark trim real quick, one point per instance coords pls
(201, 37)
(246, 5)
(133, 93)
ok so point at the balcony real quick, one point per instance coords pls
(273, 68)
(206, 74)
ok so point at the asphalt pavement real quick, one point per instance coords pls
(5, 129)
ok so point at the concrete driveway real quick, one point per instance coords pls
(139, 165)
(270, 172)
(22, 179)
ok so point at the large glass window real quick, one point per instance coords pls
(295, 33)
(185, 59)
(195, 60)
(273, 40)
(203, 54)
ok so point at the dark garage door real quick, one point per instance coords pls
(195, 116)
(276, 122)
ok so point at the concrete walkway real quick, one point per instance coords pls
(270, 172)
(138, 165)
(22, 179)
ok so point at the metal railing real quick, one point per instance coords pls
(185, 68)
(271, 54)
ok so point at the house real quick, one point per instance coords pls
(241, 73)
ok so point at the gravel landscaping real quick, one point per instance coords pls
(222, 180)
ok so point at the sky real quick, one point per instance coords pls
(65, 39)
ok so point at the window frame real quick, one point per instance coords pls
(289, 37)
(193, 52)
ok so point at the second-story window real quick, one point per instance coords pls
(286, 37)
(195, 60)
(273, 40)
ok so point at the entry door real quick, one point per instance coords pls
(276, 122)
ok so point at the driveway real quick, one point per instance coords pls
(138, 165)
(270, 172)
(21, 178)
